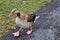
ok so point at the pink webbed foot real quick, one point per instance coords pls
(29, 31)
(16, 34)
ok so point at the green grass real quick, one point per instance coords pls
(27, 6)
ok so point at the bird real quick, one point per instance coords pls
(23, 21)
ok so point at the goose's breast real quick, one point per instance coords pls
(23, 24)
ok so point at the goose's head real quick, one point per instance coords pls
(14, 11)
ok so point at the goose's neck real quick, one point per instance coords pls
(18, 14)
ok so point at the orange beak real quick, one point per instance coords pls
(10, 14)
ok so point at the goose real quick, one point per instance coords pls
(23, 21)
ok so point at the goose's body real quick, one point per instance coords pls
(23, 21)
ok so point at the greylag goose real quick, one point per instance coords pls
(23, 21)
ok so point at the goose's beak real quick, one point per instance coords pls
(10, 14)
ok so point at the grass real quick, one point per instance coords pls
(26, 6)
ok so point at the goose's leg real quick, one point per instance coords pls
(17, 33)
(29, 31)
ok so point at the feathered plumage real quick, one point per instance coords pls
(23, 20)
